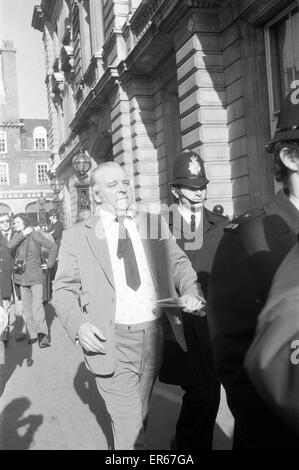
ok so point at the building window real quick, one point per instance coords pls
(40, 138)
(4, 173)
(22, 178)
(3, 142)
(39, 144)
(42, 169)
(282, 49)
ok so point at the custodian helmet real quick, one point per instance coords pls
(288, 121)
(189, 170)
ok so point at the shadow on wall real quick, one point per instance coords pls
(17, 430)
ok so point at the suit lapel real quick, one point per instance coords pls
(96, 238)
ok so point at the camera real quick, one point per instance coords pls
(19, 266)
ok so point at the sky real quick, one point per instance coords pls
(15, 25)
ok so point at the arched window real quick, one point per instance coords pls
(3, 142)
(40, 138)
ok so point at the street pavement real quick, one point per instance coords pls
(49, 401)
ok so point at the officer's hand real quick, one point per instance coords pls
(193, 305)
(90, 338)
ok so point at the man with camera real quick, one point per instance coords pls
(26, 244)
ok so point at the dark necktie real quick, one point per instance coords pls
(193, 224)
(125, 250)
(6, 235)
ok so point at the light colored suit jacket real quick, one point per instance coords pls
(84, 290)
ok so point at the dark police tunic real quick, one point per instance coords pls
(250, 252)
(195, 369)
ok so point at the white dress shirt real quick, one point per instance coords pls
(9, 233)
(131, 306)
(186, 214)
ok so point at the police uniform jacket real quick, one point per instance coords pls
(248, 256)
(56, 230)
(29, 248)
(196, 366)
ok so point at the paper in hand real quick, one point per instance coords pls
(170, 302)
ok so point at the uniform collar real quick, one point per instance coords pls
(281, 206)
(187, 213)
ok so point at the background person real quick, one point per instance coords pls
(56, 227)
(3, 326)
(107, 280)
(27, 245)
(55, 230)
(11, 303)
(194, 370)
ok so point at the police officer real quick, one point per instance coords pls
(248, 256)
(198, 232)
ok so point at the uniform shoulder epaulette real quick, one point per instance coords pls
(242, 219)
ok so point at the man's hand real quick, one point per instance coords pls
(193, 305)
(27, 230)
(90, 338)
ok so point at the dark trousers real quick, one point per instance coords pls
(263, 432)
(195, 426)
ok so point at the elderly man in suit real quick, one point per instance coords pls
(110, 273)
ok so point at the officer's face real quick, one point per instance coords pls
(112, 189)
(192, 197)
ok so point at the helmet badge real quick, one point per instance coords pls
(194, 166)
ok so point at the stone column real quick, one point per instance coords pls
(203, 114)
(97, 25)
(120, 129)
(53, 118)
(144, 141)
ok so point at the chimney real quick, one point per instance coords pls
(9, 102)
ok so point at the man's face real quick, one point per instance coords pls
(191, 197)
(19, 224)
(4, 223)
(113, 189)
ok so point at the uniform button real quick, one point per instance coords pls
(1, 259)
(110, 322)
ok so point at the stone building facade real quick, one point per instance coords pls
(137, 81)
(24, 154)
